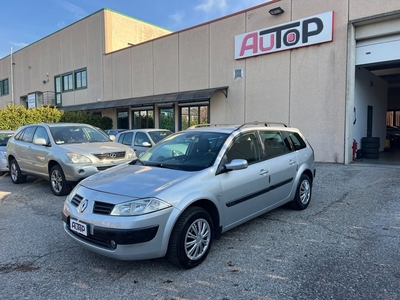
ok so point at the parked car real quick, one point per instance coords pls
(4, 136)
(189, 189)
(114, 132)
(141, 140)
(63, 153)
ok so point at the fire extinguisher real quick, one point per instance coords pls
(354, 149)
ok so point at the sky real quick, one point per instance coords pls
(23, 22)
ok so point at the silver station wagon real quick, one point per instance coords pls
(188, 189)
(63, 153)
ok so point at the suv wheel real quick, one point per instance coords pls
(303, 193)
(15, 173)
(191, 238)
(58, 183)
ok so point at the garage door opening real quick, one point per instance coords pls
(377, 89)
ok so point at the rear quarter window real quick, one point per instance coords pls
(297, 140)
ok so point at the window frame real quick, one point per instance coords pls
(70, 82)
(4, 87)
(76, 73)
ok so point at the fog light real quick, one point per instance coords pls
(81, 171)
(113, 244)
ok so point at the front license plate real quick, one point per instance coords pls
(78, 227)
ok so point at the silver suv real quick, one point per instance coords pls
(189, 189)
(63, 153)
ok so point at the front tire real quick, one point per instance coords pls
(191, 238)
(303, 193)
(15, 173)
(58, 183)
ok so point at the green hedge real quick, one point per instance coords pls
(12, 117)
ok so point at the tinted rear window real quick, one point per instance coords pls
(297, 140)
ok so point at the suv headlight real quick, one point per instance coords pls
(76, 158)
(131, 154)
(139, 207)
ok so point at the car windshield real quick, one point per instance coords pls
(187, 150)
(4, 137)
(78, 134)
(157, 136)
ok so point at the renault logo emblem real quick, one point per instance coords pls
(113, 155)
(82, 206)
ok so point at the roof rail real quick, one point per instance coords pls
(208, 125)
(266, 124)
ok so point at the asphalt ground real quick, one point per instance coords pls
(345, 245)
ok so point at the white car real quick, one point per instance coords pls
(141, 140)
(189, 189)
(4, 137)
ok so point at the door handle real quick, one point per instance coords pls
(263, 172)
(292, 162)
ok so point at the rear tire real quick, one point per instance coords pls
(15, 173)
(303, 193)
(191, 238)
(58, 183)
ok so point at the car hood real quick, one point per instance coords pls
(134, 180)
(100, 147)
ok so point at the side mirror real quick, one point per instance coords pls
(146, 144)
(40, 142)
(237, 164)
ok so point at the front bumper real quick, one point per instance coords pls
(123, 238)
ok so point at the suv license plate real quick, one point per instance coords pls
(78, 227)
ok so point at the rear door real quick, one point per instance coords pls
(22, 148)
(283, 164)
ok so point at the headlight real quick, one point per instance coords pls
(3, 154)
(78, 158)
(131, 154)
(72, 193)
(139, 207)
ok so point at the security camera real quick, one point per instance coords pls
(44, 81)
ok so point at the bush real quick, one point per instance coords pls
(12, 117)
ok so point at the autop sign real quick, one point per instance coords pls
(304, 32)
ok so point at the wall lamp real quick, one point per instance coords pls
(276, 11)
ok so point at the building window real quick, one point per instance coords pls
(143, 118)
(166, 118)
(191, 115)
(4, 87)
(80, 79)
(67, 82)
(123, 119)
(57, 90)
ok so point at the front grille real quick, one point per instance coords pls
(110, 156)
(102, 208)
(76, 200)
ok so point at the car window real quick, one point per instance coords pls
(297, 140)
(157, 136)
(274, 144)
(41, 133)
(126, 138)
(77, 134)
(245, 146)
(140, 138)
(28, 134)
(188, 151)
(4, 137)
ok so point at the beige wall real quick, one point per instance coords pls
(121, 30)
